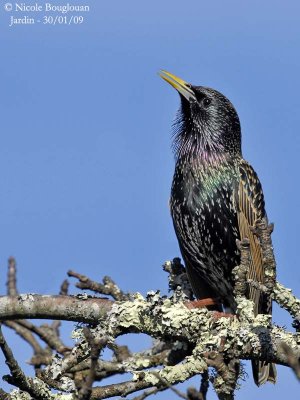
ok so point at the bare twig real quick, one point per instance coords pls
(10, 361)
(12, 277)
(204, 385)
(120, 352)
(4, 395)
(25, 334)
(64, 288)
(108, 287)
(39, 359)
(293, 358)
(48, 334)
(166, 384)
(118, 389)
(148, 393)
(17, 377)
(194, 394)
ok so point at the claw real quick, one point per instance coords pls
(218, 315)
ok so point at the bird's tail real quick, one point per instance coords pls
(263, 372)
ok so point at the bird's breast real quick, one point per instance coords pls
(204, 211)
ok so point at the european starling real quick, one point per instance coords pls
(216, 197)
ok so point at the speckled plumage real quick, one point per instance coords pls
(205, 192)
(216, 197)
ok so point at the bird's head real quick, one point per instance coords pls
(207, 122)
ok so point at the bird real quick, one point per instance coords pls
(216, 197)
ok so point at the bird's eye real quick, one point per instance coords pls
(206, 101)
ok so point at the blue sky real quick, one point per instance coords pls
(85, 157)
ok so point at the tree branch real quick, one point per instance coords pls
(188, 342)
(66, 308)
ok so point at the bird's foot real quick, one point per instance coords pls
(209, 301)
(218, 315)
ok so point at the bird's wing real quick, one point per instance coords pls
(250, 207)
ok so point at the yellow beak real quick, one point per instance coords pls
(179, 84)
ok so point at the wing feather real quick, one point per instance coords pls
(250, 208)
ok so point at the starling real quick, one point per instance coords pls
(216, 197)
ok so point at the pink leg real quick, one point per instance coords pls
(209, 301)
